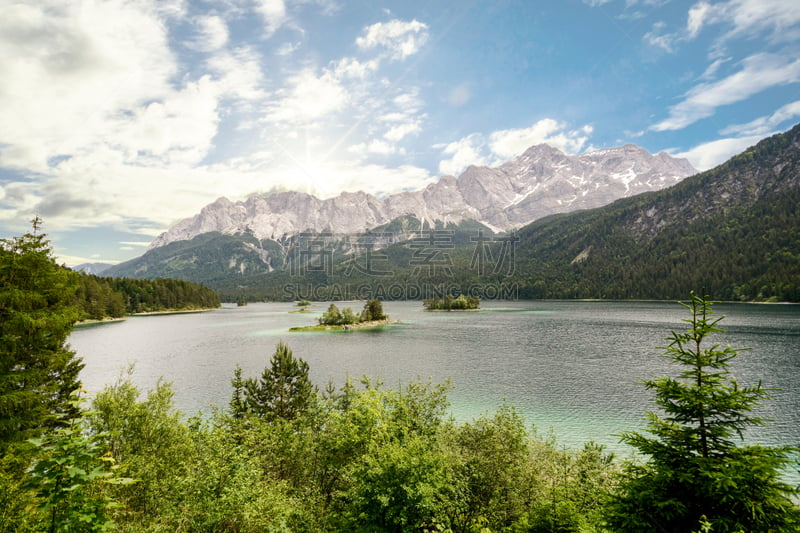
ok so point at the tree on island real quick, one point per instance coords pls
(303, 303)
(332, 317)
(372, 312)
(38, 371)
(449, 303)
(696, 476)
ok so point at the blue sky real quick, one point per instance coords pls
(118, 118)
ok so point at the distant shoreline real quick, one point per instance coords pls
(111, 320)
(174, 311)
(451, 310)
(96, 322)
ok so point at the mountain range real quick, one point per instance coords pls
(730, 231)
(540, 182)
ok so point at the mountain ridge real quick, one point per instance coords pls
(541, 181)
(731, 231)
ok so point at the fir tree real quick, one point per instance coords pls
(38, 372)
(698, 473)
(284, 390)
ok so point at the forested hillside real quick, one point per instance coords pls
(101, 297)
(732, 230)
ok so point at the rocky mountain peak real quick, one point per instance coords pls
(542, 181)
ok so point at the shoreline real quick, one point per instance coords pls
(451, 310)
(96, 322)
(349, 327)
(112, 320)
(173, 312)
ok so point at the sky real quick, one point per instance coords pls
(120, 117)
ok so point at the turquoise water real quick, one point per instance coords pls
(567, 366)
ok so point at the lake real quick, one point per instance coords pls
(567, 365)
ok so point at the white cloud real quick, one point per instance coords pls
(212, 34)
(713, 68)
(67, 64)
(408, 102)
(238, 73)
(504, 145)
(287, 49)
(511, 143)
(776, 19)
(711, 154)
(178, 129)
(463, 153)
(376, 146)
(401, 39)
(273, 12)
(398, 132)
(309, 97)
(73, 260)
(758, 72)
(349, 67)
(765, 125)
(696, 19)
(657, 38)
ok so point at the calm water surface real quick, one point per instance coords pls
(567, 366)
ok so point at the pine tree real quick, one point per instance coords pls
(237, 404)
(697, 474)
(38, 372)
(284, 390)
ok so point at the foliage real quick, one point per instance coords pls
(38, 372)
(449, 303)
(367, 458)
(283, 392)
(373, 311)
(695, 469)
(331, 317)
(72, 475)
(151, 445)
(303, 303)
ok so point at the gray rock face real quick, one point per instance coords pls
(540, 182)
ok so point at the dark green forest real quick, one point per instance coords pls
(286, 456)
(104, 297)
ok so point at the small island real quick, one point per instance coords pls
(303, 305)
(372, 316)
(449, 303)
